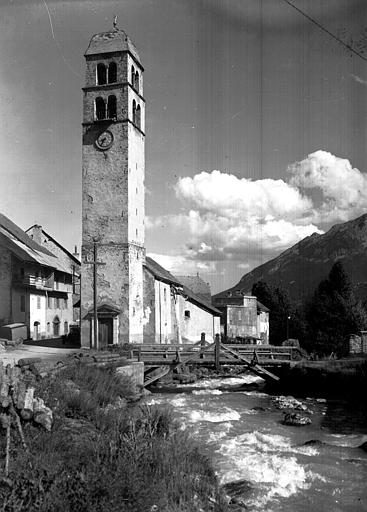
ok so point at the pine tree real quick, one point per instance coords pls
(333, 313)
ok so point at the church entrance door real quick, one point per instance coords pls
(105, 331)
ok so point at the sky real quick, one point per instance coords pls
(255, 122)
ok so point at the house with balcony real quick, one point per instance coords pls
(36, 287)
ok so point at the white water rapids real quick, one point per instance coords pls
(318, 466)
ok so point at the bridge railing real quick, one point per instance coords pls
(170, 351)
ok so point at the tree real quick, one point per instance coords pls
(333, 313)
(284, 319)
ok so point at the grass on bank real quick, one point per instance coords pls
(101, 458)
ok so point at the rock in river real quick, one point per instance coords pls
(295, 420)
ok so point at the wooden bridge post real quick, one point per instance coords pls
(202, 344)
(217, 352)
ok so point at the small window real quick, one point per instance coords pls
(57, 300)
(132, 75)
(165, 295)
(138, 116)
(111, 107)
(48, 327)
(65, 303)
(187, 313)
(22, 303)
(136, 81)
(49, 302)
(38, 302)
(101, 74)
(112, 73)
(136, 232)
(100, 108)
(66, 328)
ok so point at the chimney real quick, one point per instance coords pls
(75, 253)
(36, 234)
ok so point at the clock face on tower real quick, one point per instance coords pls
(104, 140)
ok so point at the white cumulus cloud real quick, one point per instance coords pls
(224, 217)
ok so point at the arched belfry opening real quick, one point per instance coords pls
(100, 108)
(101, 74)
(112, 107)
(138, 117)
(134, 111)
(112, 73)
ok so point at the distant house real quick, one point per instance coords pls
(36, 287)
(173, 312)
(243, 316)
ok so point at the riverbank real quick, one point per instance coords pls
(341, 378)
(105, 452)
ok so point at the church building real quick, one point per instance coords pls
(135, 298)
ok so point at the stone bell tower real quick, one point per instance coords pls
(113, 190)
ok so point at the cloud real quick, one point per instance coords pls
(227, 218)
(343, 188)
(182, 264)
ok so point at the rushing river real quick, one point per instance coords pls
(244, 434)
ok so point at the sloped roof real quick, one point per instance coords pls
(200, 301)
(68, 253)
(160, 273)
(115, 40)
(196, 285)
(20, 235)
(26, 249)
(262, 307)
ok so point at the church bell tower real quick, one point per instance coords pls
(113, 191)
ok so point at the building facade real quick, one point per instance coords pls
(35, 287)
(243, 316)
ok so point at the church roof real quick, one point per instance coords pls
(115, 40)
(204, 304)
(160, 273)
(197, 285)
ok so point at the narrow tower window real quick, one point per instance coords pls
(101, 74)
(134, 111)
(111, 107)
(100, 108)
(132, 75)
(137, 116)
(112, 73)
(136, 81)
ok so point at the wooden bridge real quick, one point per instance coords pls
(159, 359)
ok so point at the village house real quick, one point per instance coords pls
(69, 261)
(137, 300)
(243, 316)
(36, 287)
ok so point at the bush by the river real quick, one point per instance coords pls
(105, 454)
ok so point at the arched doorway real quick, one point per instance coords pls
(56, 326)
(36, 330)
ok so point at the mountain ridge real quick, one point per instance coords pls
(301, 267)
